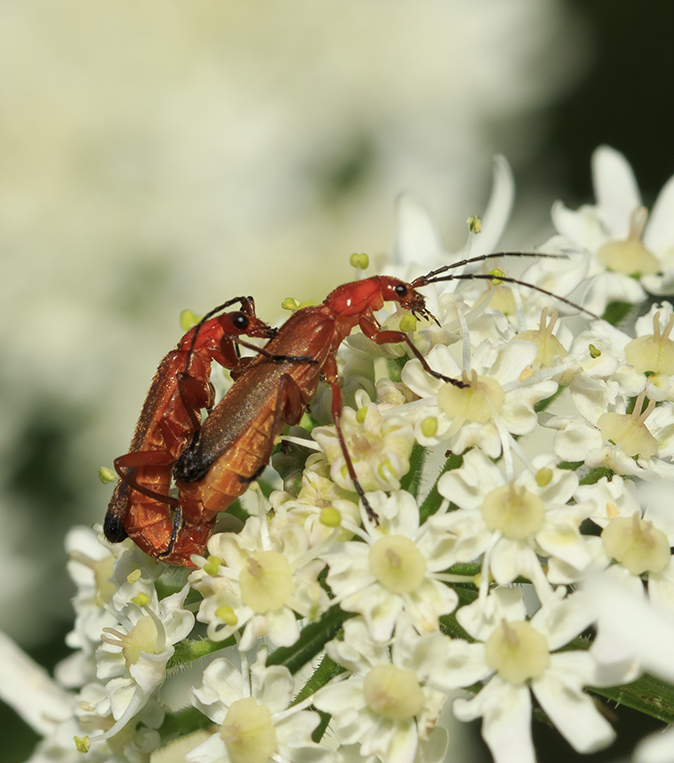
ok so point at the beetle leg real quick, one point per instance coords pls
(194, 396)
(373, 332)
(271, 355)
(331, 376)
(147, 458)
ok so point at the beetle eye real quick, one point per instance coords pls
(400, 290)
(240, 321)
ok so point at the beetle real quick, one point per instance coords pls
(141, 506)
(235, 442)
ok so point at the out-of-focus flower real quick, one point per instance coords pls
(132, 660)
(521, 654)
(388, 705)
(256, 719)
(630, 626)
(614, 245)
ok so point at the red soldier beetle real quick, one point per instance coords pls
(140, 506)
(235, 442)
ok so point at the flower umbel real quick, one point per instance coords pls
(525, 465)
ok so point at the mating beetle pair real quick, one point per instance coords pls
(213, 463)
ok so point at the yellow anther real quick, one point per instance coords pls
(106, 475)
(330, 517)
(82, 744)
(429, 426)
(474, 224)
(290, 303)
(497, 274)
(543, 477)
(227, 615)
(611, 510)
(359, 261)
(188, 318)
(212, 566)
(141, 599)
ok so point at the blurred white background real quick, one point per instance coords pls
(162, 155)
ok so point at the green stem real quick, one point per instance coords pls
(194, 649)
(326, 670)
(412, 479)
(433, 500)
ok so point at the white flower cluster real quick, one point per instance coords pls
(527, 567)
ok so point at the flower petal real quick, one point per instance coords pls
(572, 711)
(506, 725)
(616, 189)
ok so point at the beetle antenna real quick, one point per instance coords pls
(422, 280)
(498, 278)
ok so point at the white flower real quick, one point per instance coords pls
(132, 659)
(27, 688)
(632, 628)
(316, 494)
(637, 540)
(652, 351)
(91, 567)
(394, 570)
(521, 655)
(257, 580)
(388, 704)
(62, 717)
(606, 376)
(513, 522)
(616, 237)
(499, 397)
(633, 443)
(252, 709)
(418, 246)
(379, 443)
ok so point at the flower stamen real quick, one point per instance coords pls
(630, 256)
(629, 430)
(636, 544)
(653, 353)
